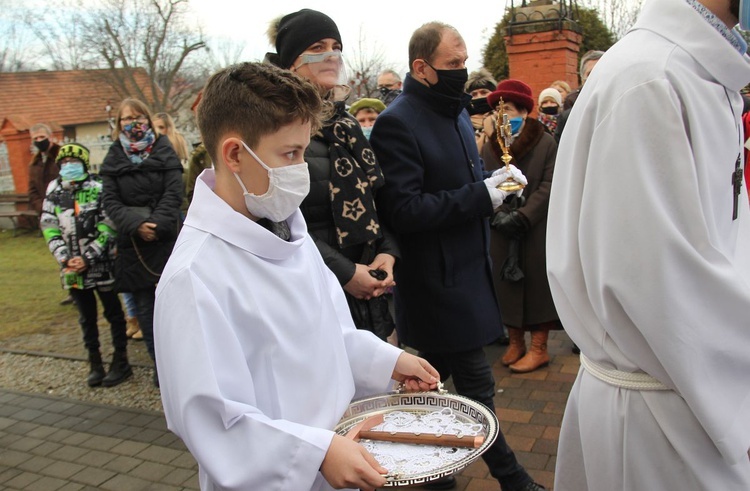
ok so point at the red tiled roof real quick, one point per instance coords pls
(63, 97)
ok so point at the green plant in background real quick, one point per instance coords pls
(30, 299)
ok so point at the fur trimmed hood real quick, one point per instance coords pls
(530, 135)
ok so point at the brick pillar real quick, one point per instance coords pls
(18, 144)
(541, 52)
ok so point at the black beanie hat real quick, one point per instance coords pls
(481, 79)
(298, 30)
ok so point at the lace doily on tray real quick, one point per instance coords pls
(406, 459)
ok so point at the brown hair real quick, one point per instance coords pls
(175, 137)
(138, 107)
(561, 83)
(425, 41)
(254, 100)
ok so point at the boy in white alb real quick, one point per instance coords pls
(258, 355)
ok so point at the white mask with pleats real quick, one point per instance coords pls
(287, 187)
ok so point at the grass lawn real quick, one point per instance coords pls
(31, 294)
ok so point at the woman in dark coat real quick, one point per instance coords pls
(517, 243)
(142, 178)
(344, 174)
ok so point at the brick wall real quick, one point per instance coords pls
(540, 58)
(19, 155)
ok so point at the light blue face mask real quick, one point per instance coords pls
(367, 131)
(72, 171)
(515, 124)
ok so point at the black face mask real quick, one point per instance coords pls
(450, 83)
(42, 145)
(551, 110)
(479, 106)
(384, 91)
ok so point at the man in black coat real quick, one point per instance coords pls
(437, 198)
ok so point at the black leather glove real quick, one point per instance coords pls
(512, 224)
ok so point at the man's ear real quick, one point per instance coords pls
(230, 151)
(418, 67)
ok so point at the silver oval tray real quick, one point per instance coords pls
(466, 409)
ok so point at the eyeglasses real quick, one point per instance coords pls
(138, 119)
(386, 86)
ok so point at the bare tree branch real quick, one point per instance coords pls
(618, 15)
(16, 46)
(124, 36)
(364, 63)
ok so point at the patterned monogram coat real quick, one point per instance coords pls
(318, 210)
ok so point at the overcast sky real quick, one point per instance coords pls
(387, 25)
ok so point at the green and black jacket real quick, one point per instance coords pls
(74, 223)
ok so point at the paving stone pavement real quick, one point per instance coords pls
(54, 444)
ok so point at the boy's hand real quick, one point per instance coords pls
(348, 465)
(415, 373)
(76, 264)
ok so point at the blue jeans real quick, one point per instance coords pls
(473, 378)
(144, 301)
(130, 307)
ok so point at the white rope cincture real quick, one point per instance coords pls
(618, 378)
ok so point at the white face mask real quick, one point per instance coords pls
(287, 187)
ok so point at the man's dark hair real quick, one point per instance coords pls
(425, 41)
(254, 100)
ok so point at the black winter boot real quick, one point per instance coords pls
(119, 371)
(532, 486)
(96, 375)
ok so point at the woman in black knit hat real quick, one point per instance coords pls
(344, 174)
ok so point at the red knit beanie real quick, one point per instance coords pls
(513, 91)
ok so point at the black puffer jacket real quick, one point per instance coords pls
(148, 192)
(316, 208)
(318, 214)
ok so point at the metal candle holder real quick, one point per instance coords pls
(504, 138)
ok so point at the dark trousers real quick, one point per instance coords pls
(85, 300)
(473, 378)
(144, 304)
